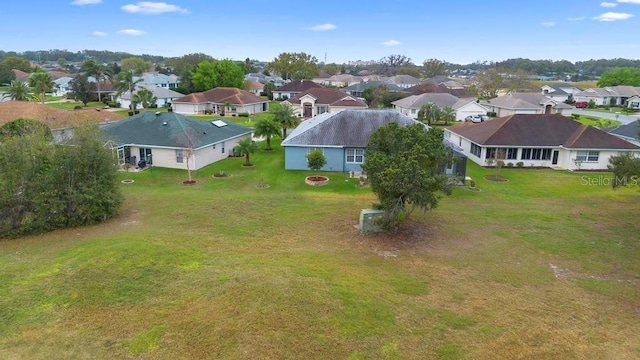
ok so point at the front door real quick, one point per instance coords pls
(308, 111)
(554, 160)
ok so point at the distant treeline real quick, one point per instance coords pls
(590, 68)
(99, 56)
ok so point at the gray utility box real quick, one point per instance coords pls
(367, 218)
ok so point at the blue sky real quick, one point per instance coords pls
(458, 31)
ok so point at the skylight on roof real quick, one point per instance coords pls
(219, 123)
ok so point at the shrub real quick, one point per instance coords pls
(575, 116)
(492, 114)
(509, 164)
(243, 114)
(77, 107)
(591, 104)
(519, 164)
(209, 112)
(153, 106)
(113, 104)
(499, 163)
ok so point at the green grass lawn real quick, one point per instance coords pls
(544, 266)
(596, 121)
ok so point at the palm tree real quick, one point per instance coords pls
(284, 115)
(124, 83)
(448, 114)
(429, 112)
(268, 128)
(18, 91)
(42, 82)
(144, 97)
(98, 71)
(246, 147)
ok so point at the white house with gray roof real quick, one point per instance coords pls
(526, 103)
(165, 139)
(159, 80)
(164, 96)
(411, 105)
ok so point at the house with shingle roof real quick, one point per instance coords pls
(404, 81)
(164, 138)
(254, 87)
(610, 95)
(539, 140)
(164, 96)
(411, 105)
(560, 91)
(629, 132)
(293, 88)
(220, 100)
(321, 100)
(158, 79)
(343, 138)
(525, 103)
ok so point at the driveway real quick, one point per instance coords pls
(625, 119)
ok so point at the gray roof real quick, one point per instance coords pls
(403, 79)
(416, 101)
(523, 100)
(158, 92)
(630, 130)
(168, 129)
(156, 78)
(347, 128)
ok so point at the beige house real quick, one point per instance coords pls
(525, 103)
(167, 139)
(317, 101)
(220, 100)
(411, 105)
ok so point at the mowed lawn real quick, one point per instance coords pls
(544, 266)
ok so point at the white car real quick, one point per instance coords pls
(476, 118)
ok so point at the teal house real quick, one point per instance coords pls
(343, 138)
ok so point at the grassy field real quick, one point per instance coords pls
(544, 266)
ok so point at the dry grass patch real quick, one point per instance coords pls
(54, 118)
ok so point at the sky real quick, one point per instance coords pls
(456, 31)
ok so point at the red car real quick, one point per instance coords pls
(581, 104)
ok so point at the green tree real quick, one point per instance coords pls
(217, 73)
(434, 67)
(295, 66)
(18, 91)
(626, 170)
(268, 128)
(620, 76)
(145, 97)
(316, 160)
(331, 69)
(185, 65)
(42, 83)
(6, 74)
(268, 90)
(44, 186)
(135, 64)
(24, 127)
(246, 147)
(409, 70)
(283, 114)
(487, 83)
(429, 113)
(380, 97)
(403, 165)
(389, 65)
(99, 72)
(125, 82)
(448, 114)
(82, 89)
(17, 63)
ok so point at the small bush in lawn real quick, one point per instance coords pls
(575, 116)
(519, 164)
(77, 107)
(509, 164)
(243, 114)
(153, 106)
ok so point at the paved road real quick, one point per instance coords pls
(625, 119)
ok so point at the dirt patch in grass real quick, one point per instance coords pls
(54, 118)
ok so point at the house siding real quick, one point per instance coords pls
(296, 158)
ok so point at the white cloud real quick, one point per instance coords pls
(579, 18)
(608, 4)
(323, 27)
(391, 43)
(629, 1)
(548, 24)
(131, 32)
(612, 16)
(86, 2)
(99, 34)
(148, 7)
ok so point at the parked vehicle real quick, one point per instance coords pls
(581, 104)
(476, 118)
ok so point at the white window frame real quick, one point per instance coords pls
(355, 154)
(588, 156)
(179, 156)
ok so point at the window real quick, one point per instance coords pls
(589, 156)
(222, 147)
(355, 156)
(535, 154)
(322, 109)
(413, 111)
(476, 150)
(512, 154)
(179, 156)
